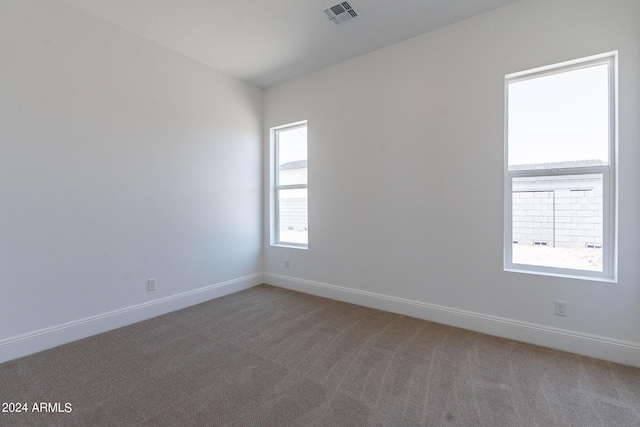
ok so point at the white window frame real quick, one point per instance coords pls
(608, 172)
(276, 187)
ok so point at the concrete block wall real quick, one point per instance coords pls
(561, 217)
(294, 213)
(533, 217)
(579, 217)
(293, 208)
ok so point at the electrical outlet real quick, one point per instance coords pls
(286, 263)
(151, 285)
(561, 308)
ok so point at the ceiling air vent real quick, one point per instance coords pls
(341, 12)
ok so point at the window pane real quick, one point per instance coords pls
(562, 117)
(557, 221)
(293, 216)
(292, 156)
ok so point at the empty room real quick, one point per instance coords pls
(316, 213)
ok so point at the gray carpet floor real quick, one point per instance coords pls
(272, 357)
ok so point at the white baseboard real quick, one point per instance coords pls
(599, 347)
(33, 342)
(624, 352)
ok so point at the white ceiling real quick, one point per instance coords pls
(266, 42)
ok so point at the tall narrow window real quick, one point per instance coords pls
(560, 169)
(290, 193)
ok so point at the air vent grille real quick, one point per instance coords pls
(341, 12)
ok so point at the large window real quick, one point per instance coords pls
(290, 189)
(560, 169)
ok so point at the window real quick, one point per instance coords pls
(560, 185)
(290, 190)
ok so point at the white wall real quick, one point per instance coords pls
(395, 135)
(120, 161)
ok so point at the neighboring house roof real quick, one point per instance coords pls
(296, 164)
(558, 165)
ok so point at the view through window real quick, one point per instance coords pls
(291, 189)
(559, 168)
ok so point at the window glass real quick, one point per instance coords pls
(292, 156)
(560, 117)
(291, 222)
(557, 221)
(293, 216)
(559, 173)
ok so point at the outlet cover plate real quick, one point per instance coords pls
(561, 308)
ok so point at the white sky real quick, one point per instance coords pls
(560, 117)
(292, 145)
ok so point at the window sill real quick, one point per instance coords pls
(290, 246)
(563, 275)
